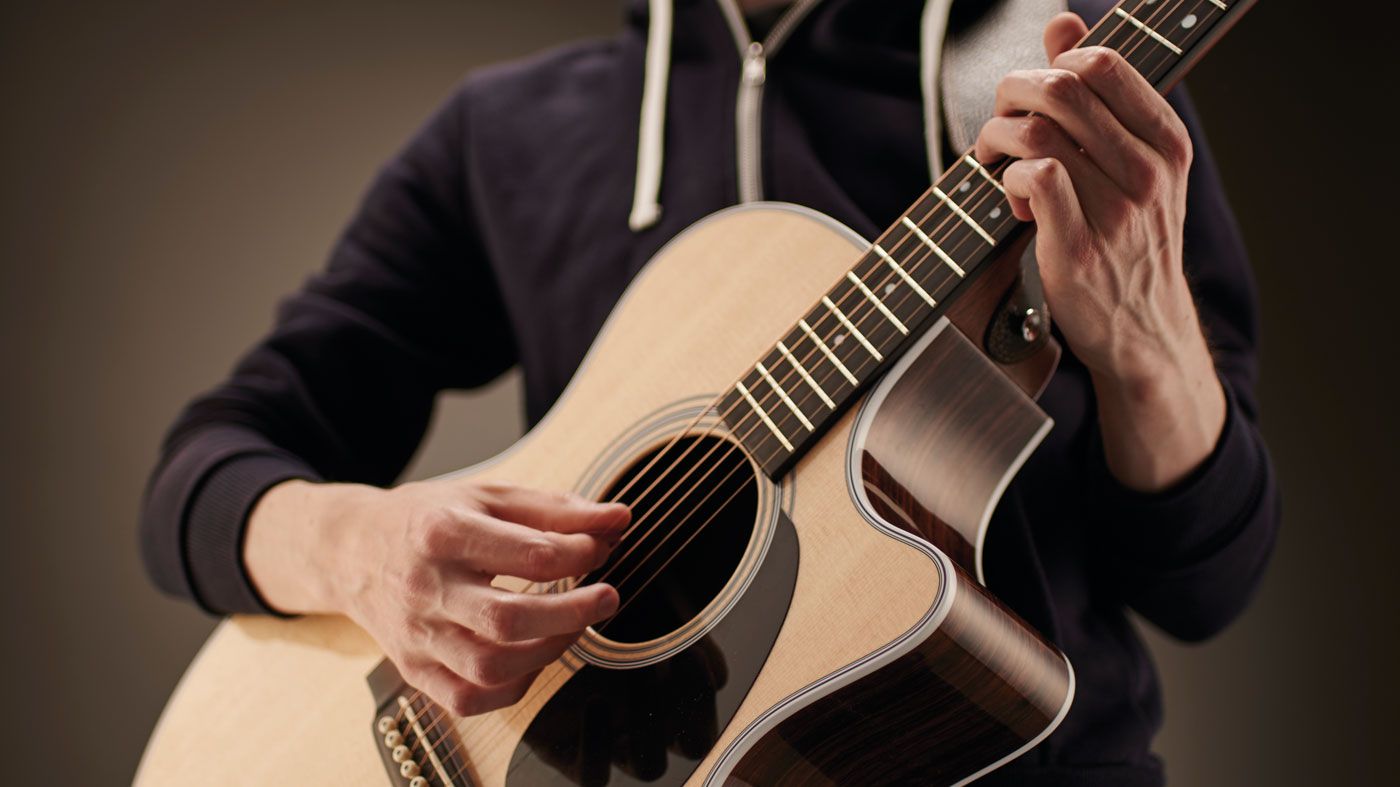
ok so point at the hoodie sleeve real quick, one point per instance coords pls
(343, 386)
(1189, 558)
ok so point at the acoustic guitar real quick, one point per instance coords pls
(811, 468)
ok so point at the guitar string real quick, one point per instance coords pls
(711, 408)
(742, 486)
(935, 204)
(652, 552)
(772, 398)
(787, 378)
(869, 311)
(525, 702)
(636, 593)
(1137, 39)
(783, 417)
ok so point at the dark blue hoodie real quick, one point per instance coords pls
(500, 236)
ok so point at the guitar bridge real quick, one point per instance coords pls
(414, 736)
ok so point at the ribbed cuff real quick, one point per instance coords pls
(1195, 518)
(216, 522)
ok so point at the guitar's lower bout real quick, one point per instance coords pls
(652, 725)
(979, 691)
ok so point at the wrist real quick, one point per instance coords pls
(299, 546)
(1160, 419)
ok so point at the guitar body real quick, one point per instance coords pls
(840, 634)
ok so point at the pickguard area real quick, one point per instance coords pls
(652, 725)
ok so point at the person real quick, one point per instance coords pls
(505, 231)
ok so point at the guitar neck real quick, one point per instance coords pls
(919, 266)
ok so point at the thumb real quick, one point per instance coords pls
(1062, 33)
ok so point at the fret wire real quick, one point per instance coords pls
(902, 301)
(863, 313)
(1151, 33)
(1192, 17)
(763, 370)
(806, 376)
(868, 360)
(1207, 19)
(862, 361)
(763, 415)
(854, 331)
(879, 304)
(1136, 46)
(904, 276)
(1009, 222)
(973, 166)
(826, 350)
(957, 209)
(855, 319)
(929, 242)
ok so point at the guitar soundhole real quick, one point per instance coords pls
(693, 512)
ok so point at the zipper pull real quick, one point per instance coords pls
(755, 67)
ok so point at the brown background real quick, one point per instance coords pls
(170, 168)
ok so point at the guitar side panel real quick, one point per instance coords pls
(975, 688)
(978, 692)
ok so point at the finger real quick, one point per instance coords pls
(1131, 99)
(1062, 33)
(462, 697)
(487, 663)
(1041, 138)
(556, 511)
(497, 547)
(1066, 99)
(1046, 186)
(505, 616)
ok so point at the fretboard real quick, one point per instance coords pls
(920, 265)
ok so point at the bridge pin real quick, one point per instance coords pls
(408, 769)
(400, 753)
(393, 738)
(385, 724)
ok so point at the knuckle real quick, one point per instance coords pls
(1062, 87)
(501, 619)
(414, 672)
(488, 668)
(1036, 133)
(435, 533)
(418, 585)
(542, 557)
(464, 700)
(1100, 61)
(1178, 144)
(1144, 176)
(1046, 173)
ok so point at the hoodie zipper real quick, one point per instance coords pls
(748, 113)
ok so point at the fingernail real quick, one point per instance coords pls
(608, 605)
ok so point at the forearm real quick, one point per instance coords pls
(1160, 423)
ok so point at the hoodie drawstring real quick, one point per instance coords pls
(933, 26)
(646, 195)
